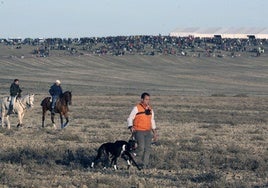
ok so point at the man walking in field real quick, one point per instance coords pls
(142, 124)
(55, 91)
(15, 92)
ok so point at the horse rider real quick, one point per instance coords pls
(15, 92)
(55, 91)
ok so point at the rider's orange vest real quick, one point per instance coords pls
(142, 120)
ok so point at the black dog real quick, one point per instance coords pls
(115, 150)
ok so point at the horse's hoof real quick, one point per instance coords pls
(64, 125)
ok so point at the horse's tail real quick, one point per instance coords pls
(4, 102)
(45, 101)
(4, 105)
(1, 108)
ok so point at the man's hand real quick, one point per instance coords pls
(155, 136)
(19, 95)
(131, 129)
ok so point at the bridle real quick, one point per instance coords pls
(29, 103)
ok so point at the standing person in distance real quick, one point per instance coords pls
(55, 91)
(142, 124)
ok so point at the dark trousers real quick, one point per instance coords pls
(11, 105)
(144, 139)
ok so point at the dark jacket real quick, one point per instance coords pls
(55, 90)
(15, 90)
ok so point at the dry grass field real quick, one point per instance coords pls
(211, 114)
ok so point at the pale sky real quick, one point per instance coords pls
(88, 18)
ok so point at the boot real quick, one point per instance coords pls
(10, 110)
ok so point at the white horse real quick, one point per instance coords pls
(19, 108)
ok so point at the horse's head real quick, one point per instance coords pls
(29, 100)
(67, 96)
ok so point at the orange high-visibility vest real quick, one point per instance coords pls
(142, 120)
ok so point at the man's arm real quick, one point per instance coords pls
(51, 91)
(61, 91)
(19, 91)
(11, 89)
(131, 117)
(155, 136)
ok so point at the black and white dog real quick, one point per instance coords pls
(115, 150)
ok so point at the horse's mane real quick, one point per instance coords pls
(24, 96)
(64, 93)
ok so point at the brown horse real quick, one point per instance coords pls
(61, 107)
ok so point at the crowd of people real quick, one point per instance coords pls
(144, 45)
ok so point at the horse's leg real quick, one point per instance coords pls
(20, 119)
(8, 122)
(3, 117)
(61, 121)
(43, 118)
(52, 119)
(67, 120)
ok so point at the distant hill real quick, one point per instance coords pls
(133, 74)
